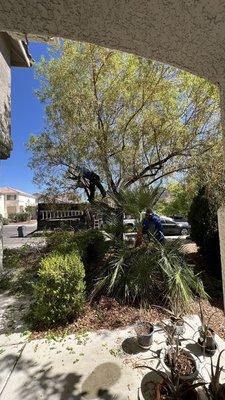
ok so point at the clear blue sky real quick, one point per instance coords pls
(27, 118)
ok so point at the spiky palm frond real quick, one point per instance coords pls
(152, 272)
(134, 201)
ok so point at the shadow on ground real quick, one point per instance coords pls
(12, 310)
(130, 346)
(41, 382)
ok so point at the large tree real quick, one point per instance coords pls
(130, 119)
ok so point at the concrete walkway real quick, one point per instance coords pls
(86, 366)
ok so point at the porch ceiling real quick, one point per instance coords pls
(187, 33)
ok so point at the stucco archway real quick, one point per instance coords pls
(189, 34)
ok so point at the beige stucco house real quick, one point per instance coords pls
(14, 201)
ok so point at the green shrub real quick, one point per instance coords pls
(90, 244)
(204, 230)
(59, 293)
(19, 217)
(92, 248)
(62, 242)
(11, 258)
(24, 263)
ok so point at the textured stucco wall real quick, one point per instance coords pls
(1, 245)
(186, 33)
(24, 201)
(5, 93)
(2, 205)
(221, 223)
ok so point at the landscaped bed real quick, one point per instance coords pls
(104, 311)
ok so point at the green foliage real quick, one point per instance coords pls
(5, 282)
(182, 283)
(19, 217)
(31, 211)
(92, 248)
(90, 244)
(24, 263)
(134, 201)
(62, 242)
(59, 292)
(130, 119)
(181, 195)
(204, 229)
(11, 258)
(150, 274)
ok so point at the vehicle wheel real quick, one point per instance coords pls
(184, 232)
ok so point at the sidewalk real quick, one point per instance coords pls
(90, 366)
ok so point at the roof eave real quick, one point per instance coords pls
(20, 56)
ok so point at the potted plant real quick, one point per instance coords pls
(216, 390)
(144, 331)
(180, 361)
(171, 387)
(176, 320)
(206, 338)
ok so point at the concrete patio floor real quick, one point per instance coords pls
(86, 366)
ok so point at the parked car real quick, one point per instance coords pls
(170, 227)
(174, 228)
(179, 218)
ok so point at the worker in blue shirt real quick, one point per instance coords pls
(151, 225)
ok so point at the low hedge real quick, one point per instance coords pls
(59, 294)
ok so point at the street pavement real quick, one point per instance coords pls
(10, 234)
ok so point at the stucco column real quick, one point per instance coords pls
(221, 211)
(1, 246)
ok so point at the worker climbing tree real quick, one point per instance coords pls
(88, 180)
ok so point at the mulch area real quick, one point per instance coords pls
(108, 314)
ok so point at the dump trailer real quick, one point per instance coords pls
(66, 216)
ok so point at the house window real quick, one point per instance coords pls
(11, 196)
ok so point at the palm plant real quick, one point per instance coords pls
(150, 273)
(182, 283)
(207, 334)
(134, 201)
(216, 390)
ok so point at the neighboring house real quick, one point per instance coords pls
(14, 201)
